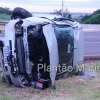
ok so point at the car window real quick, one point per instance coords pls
(64, 29)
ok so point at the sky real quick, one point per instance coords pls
(51, 5)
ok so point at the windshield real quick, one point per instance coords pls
(64, 29)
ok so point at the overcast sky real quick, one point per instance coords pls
(51, 5)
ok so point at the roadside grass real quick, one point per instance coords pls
(5, 98)
(73, 88)
(4, 17)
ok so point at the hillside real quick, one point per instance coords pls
(5, 13)
(92, 19)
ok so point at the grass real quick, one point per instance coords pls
(73, 88)
(5, 98)
(4, 17)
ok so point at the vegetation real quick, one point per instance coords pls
(92, 19)
(5, 13)
(73, 88)
(5, 98)
(66, 13)
(4, 17)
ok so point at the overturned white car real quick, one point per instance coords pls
(40, 49)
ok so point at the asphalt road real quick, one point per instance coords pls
(91, 40)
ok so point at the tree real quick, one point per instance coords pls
(66, 13)
(94, 18)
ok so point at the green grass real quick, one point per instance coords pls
(73, 88)
(5, 98)
(4, 17)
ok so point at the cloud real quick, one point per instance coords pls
(51, 5)
(81, 10)
(77, 0)
(31, 7)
